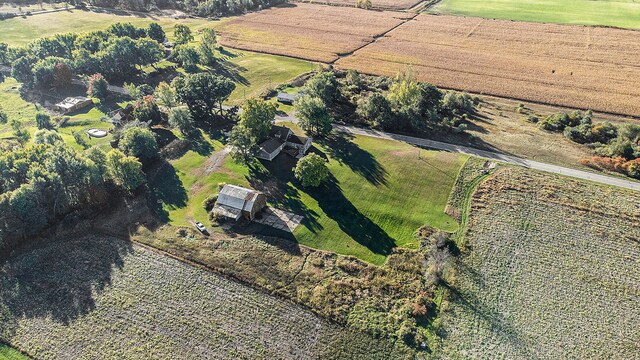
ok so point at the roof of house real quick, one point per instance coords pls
(281, 132)
(297, 139)
(237, 197)
(271, 145)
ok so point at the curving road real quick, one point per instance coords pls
(438, 145)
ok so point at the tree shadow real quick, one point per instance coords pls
(339, 146)
(226, 53)
(165, 187)
(351, 221)
(199, 144)
(231, 71)
(276, 179)
(57, 279)
(273, 178)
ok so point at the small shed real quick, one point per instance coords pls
(287, 98)
(270, 148)
(73, 104)
(236, 202)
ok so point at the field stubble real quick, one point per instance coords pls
(551, 270)
(312, 32)
(574, 66)
(99, 297)
(579, 67)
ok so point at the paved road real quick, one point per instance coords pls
(438, 145)
(579, 174)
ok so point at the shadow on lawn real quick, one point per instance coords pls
(356, 225)
(57, 279)
(275, 179)
(339, 146)
(231, 71)
(165, 187)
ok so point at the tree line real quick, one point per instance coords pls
(42, 183)
(617, 147)
(117, 52)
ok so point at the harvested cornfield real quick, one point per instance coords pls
(375, 4)
(313, 32)
(574, 66)
(550, 270)
(103, 298)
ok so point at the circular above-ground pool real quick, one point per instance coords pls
(96, 133)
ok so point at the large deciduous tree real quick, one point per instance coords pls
(257, 117)
(98, 87)
(202, 92)
(324, 86)
(182, 34)
(155, 32)
(313, 115)
(124, 171)
(139, 142)
(181, 119)
(311, 170)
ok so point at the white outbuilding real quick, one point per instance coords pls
(236, 202)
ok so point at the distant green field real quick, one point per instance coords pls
(22, 30)
(7, 353)
(620, 13)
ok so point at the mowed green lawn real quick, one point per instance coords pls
(380, 193)
(7, 353)
(620, 13)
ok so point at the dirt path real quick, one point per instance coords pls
(215, 161)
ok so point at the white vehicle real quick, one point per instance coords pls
(201, 227)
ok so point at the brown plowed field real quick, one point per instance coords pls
(308, 31)
(375, 4)
(575, 66)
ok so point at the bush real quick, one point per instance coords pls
(558, 122)
(533, 119)
(210, 202)
(455, 103)
(98, 87)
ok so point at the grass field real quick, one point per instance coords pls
(618, 13)
(20, 31)
(8, 353)
(313, 32)
(99, 297)
(380, 192)
(546, 63)
(547, 262)
(255, 73)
